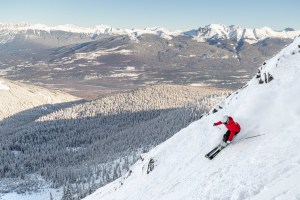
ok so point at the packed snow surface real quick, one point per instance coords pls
(265, 167)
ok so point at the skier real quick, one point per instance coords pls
(233, 128)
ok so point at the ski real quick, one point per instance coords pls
(216, 152)
(212, 151)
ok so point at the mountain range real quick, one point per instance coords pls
(92, 62)
(212, 31)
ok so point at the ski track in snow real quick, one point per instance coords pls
(265, 167)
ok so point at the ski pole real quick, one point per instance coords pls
(254, 136)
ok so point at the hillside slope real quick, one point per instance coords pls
(89, 144)
(265, 167)
(16, 97)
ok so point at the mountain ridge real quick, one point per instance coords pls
(92, 64)
(211, 31)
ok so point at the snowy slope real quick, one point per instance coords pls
(3, 86)
(16, 97)
(265, 167)
(212, 31)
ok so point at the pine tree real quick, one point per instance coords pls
(67, 194)
(51, 197)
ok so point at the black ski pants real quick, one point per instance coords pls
(226, 135)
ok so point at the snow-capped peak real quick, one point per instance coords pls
(96, 30)
(236, 33)
(212, 31)
(265, 167)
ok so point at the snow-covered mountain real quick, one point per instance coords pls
(9, 31)
(213, 31)
(265, 167)
(89, 62)
(236, 33)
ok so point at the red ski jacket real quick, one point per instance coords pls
(232, 126)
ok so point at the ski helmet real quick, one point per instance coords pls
(225, 119)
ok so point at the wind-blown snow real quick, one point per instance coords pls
(265, 167)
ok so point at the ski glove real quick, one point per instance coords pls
(215, 124)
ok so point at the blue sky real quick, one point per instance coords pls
(171, 14)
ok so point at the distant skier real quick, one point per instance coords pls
(233, 128)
